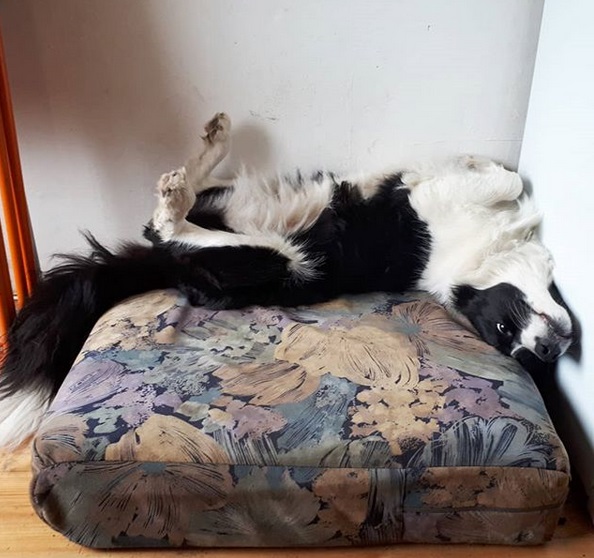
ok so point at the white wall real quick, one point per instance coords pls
(108, 94)
(558, 158)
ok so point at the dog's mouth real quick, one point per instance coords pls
(549, 349)
(545, 337)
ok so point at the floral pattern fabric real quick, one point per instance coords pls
(372, 419)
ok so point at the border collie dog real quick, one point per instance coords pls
(464, 232)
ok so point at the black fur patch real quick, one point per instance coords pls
(375, 244)
(52, 326)
(208, 210)
(498, 313)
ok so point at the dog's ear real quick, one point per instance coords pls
(466, 299)
(469, 305)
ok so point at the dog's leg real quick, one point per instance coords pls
(489, 182)
(176, 198)
(467, 180)
(215, 146)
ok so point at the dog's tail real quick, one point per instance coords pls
(52, 326)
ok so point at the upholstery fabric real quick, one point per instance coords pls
(373, 419)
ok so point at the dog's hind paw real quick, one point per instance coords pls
(170, 182)
(175, 198)
(217, 129)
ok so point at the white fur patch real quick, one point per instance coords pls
(260, 206)
(20, 416)
(475, 221)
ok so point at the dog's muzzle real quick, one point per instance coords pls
(551, 348)
(547, 338)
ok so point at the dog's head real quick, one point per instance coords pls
(486, 261)
(521, 308)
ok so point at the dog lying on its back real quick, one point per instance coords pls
(464, 232)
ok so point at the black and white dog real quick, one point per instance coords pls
(464, 232)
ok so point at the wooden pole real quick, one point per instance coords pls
(9, 207)
(16, 215)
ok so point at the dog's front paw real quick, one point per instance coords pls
(218, 128)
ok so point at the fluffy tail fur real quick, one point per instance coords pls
(51, 328)
(53, 325)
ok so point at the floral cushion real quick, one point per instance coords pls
(372, 419)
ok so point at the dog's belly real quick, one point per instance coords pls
(284, 205)
(359, 243)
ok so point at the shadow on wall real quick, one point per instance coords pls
(104, 75)
(251, 148)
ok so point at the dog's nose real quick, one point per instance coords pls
(546, 349)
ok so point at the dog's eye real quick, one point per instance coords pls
(503, 329)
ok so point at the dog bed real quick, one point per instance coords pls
(373, 419)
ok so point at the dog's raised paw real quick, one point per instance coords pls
(170, 182)
(218, 128)
(175, 198)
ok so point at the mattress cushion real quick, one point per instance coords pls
(373, 419)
